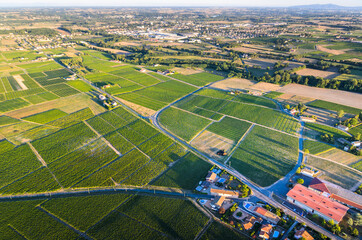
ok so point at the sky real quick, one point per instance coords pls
(226, 3)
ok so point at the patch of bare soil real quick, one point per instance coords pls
(138, 108)
(318, 73)
(210, 143)
(331, 51)
(233, 83)
(265, 87)
(331, 95)
(187, 71)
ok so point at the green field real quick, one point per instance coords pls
(184, 174)
(17, 163)
(84, 212)
(218, 231)
(257, 114)
(198, 79)
(80, 85)
(315, 147)
(160, 214)
(245, 98)
(273, 94)
(45, 117)
(323, 129)
(230, 128)
(265, 155)
(5, 120)
(334, 107)
(183, 124)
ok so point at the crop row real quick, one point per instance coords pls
(72, 118)
(64, 141)
(78, 164)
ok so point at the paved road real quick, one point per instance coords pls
(258, 191)
(262, 193)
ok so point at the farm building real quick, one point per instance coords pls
(265, 231)
(226, 193)
(317, 203)
(343, 128)
(302, 233)
(337, 193)
(307, 119)
(309, 172)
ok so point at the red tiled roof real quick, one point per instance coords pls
(319, 185)
(261, 210)
(346, 201)
(318, 202)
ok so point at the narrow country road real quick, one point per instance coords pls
(258, 191)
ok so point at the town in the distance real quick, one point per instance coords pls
(205, 123)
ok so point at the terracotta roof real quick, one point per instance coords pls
(318, 202)
(266, 213)
(302, 233)
(222, 191)
(346, 201)
(249, 222)
(265, 231)
(319, 185)
(220, 201)
(211, 176)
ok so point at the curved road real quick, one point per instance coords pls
(263, 193)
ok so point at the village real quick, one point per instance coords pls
(234, 203)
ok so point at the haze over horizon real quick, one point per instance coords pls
(172, 3)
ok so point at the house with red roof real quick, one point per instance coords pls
(317, 203)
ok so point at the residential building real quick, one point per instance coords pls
(222, 192)
(302, 233)
(211, 177)
(317, 203)
(262, 212)
(265, 231)
(250, 221)
(219, 201)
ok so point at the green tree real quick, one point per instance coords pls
(298, 171)
(300, 180)
(350, 221)
(355, 232)
(340, 114)
(357, 136)
(306, 151)
(336, 229)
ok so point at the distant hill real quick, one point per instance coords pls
(324, 7)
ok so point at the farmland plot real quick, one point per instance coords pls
(27, 219)
(184, 174)
(315, 147)
(64, 141)
(335, 173)
(38, 181)
(45, 117)
(183, 124)
(159, 213)
(83, 212)
(78, 164)
(16, 163)
(117, 170)
(265, 155)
